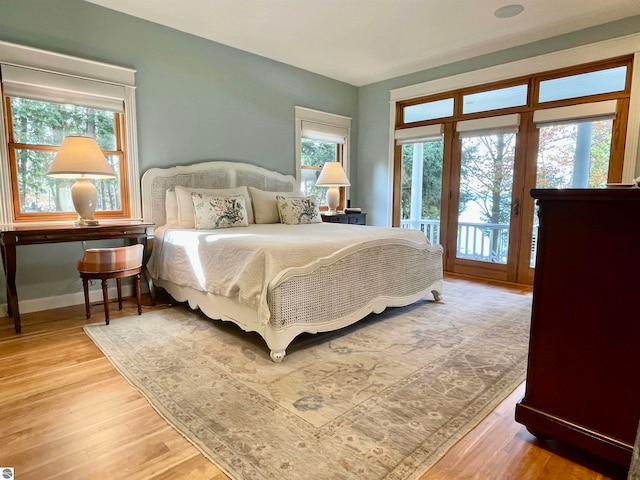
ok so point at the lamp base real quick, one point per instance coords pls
(333, 199)
(85, 198)
(86, 222)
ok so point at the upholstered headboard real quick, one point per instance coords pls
(212, 174)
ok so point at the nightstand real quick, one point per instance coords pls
(352, 218)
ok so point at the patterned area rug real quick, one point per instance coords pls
(383, 399)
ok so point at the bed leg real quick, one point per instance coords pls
(277, 356)
(436, 295)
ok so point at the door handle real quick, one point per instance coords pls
(515, 209)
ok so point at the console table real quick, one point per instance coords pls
(12, 236)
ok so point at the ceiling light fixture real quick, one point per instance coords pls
(508, 11)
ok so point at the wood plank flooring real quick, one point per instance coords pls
(66, 413)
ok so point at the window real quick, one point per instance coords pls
(320, 137)
(421, 179)
(584, 84)
(600, 90)
(40, 108)
(574, 148)
(486, 182)
(428, 110)
(495, 99)
(36, 130)
(561, 128)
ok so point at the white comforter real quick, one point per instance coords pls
(240, 262)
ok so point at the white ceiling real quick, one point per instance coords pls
(365, 41)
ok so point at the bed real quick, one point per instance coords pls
(277, 279)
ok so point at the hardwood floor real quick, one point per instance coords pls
(65, 412)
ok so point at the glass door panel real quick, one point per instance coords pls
(484, 209)
(571, 155)
(421, 188)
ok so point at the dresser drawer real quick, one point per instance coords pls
(337, 218)
(357, 218)
(352, 218)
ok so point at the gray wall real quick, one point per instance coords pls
(195, 100)
(372, 181)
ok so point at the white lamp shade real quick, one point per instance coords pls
(80, 156)
(332, 175)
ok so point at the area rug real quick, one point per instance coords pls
(382, 399)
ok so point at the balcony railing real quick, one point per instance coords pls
(431, 228)
(486, 242)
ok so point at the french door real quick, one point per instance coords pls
(472, 196)
(484, 209)
(466, 160)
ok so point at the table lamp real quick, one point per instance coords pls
(332, 176)
(82, 159)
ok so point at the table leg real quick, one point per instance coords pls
(4, 269)
(105, 300)
(9, 263)
(148, 247)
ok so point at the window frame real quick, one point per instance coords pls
(13, 147)
(89, 72)
(336, 122)
(624, 141)
(555, 62)
(622, 161)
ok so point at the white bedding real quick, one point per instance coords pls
(240, 262)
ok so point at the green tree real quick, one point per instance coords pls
(487, 175)
(487, 180)
(431, 180)
(556, 154)
(37, 123)
(315, 153)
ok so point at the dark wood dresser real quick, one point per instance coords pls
(583, 377)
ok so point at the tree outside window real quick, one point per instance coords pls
(36, 130)
(314, 154)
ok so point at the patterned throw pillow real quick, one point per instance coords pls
(265, 206)
(295, 211)
(219, 212)
(186, 212)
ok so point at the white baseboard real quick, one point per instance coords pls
(59, 301)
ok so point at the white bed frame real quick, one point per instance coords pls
(318, 297)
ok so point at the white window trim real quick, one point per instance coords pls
(626, 45)
(327, 123)
(51, 62)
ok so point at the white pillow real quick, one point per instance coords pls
(171, 209)
(185, 204)
(219, 212)
(296, 211)
(265, 207)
